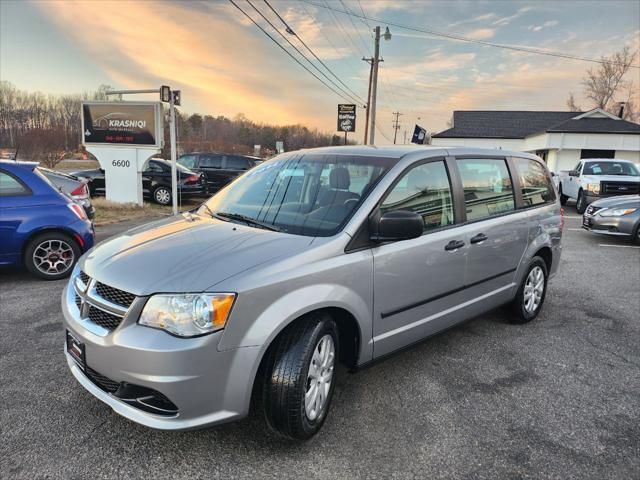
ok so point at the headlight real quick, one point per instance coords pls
(593, 188)
(616, 212)
(188, 315)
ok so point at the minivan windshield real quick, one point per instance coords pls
(299, 193)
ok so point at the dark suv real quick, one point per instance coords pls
(219, 168)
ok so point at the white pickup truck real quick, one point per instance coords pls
(596, 178)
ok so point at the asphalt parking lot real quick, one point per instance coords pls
(557, 398)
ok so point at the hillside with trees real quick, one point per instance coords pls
(47, 128)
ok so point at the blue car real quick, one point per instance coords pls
(40, 227)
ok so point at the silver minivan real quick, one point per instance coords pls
(341, 254)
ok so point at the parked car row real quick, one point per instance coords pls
(156, 181)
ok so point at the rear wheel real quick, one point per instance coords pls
(299, 376)
(51, 256)
(531, 294)
(563, 198)
(581, 203)
(162, 195)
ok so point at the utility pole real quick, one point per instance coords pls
(405, 137)
(366, 121)
(396, 126)
(172, 137)
(374, 81)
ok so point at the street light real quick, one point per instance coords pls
(387, 34)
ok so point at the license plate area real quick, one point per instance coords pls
(75, 348)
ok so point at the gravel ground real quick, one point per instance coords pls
(557, 398)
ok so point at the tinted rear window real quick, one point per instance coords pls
(536, 184)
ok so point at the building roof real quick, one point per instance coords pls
(520, 124)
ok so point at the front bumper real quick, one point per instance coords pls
(207, 386)
(616, 226)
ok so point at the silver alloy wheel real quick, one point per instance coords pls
(52, 257)
(533, 289)
(319, 377)
(163, 196)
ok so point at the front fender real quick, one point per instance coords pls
(296, 303)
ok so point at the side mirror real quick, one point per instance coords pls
(553, 174)
(573, 173)
(397, 225)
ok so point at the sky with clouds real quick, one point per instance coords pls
(225, 65)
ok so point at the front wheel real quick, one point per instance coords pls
(581, 203)
(162, 195)
(530, 296)
(299, 376)
(636, 235)
(51, 256)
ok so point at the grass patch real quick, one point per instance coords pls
(77, 165)
(111, 212)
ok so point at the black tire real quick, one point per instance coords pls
(65, 259)
(636, 235)
(162, 195)
(285, 380)
(581, 203)
(520, 314)
(563, 198)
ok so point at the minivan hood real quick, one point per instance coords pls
(188, 253)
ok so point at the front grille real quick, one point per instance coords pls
(78, 302)
(142, 398)
(114, 295)
(104, 319)
(104, 383)
(84, 278)
(620, 188)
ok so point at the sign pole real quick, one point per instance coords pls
(172, 134)
(345, 137)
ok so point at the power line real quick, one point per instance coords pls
(287, 51)
(461, 38)
(292, 32)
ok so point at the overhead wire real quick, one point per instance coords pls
(461, 38)
(292, 32)
(344, 92)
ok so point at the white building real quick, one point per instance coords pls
(560, 138)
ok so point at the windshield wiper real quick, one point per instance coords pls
(247, 220)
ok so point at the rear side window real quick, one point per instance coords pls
(488, 190)
(237, 163)
(536, 185)
(155, 167)
(211, 161)
(11, 187)
(425, 190)
(188, 161)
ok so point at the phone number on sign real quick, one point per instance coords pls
(119, 138)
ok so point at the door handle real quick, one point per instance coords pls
(454, 245)
(481, 237)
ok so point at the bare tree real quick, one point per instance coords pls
(603, 84)
(571, 103)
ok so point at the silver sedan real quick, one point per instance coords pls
(619, 216)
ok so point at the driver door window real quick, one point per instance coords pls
(426, 190)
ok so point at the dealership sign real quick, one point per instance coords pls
(346, 118)
(122, 123)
